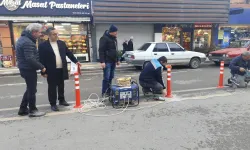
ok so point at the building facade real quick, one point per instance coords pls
(71, 19)
(237, 31)
(191, 23)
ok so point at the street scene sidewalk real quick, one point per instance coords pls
(212, 120)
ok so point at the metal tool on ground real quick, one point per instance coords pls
(221, 78)
(124, 92)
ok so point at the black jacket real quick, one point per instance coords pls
(108, 51)
(152, 73)
(125, 47)
(130, 45)
(48, 58)
(237, 63)
(26, 52)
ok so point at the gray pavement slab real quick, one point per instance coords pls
(220, 123)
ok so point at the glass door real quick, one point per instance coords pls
(186, 40)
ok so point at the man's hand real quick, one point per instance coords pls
(43, 70)
(118, 63)
(242, 69)
(103, 65)
(79, 64)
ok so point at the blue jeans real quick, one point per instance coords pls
(108, 75)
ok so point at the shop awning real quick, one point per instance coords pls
(45, 19)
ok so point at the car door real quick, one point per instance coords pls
(161, 49)
(178, 54)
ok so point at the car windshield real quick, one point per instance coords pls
(144, 47)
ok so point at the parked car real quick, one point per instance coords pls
(175, 54)
(228, 54)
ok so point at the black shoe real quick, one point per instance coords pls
(54, 108)
(63, 103)
(23, 112)
(36, 113)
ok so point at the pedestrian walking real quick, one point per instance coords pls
(28, 63)
(125, 48)
(108, 52)
(131, 44)
(53, 54)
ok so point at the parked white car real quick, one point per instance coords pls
(175, 54)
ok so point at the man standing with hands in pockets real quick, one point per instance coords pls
(108, 52)
(53, 54)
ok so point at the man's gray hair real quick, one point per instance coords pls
(34, 27)
(246, 53)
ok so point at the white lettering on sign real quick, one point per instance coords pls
(11, 4)
(15, 4)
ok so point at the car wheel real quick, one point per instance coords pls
(138, 67)
(195, 63)
(217, 63)
(144, 64)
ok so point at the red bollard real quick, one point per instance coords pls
(221, 75)
(77, 88)
(169, 88)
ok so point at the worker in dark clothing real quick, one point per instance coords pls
(125, 48)
(108, 52)
(151, 77)
(131, 44)
(239, 69)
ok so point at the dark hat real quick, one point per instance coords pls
(163, 59)
(113, 28)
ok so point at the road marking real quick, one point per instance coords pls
(16, 96)
(17, 84)
(86, 110)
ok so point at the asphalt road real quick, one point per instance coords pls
(183, 79)
(200, 116)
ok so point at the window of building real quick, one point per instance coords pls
(161, 47)
(174, 47)
(75, 36)
(202, 38)
(171, 34)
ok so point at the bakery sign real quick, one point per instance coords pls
(202, 26)
(45, 7)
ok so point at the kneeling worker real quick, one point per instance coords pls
(151, 77)
(239, 67)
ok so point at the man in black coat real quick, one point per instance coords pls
(53, 54)
(130, 44)
(108, 52)
(28, 63)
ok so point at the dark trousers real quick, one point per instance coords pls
(29, 97)
(154, 85)
(108, 75)
(56, 86)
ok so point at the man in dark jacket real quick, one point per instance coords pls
(239, 67)
(108, 52)
(53, 54)
(151, 76)
(28, 63)
(130, 44)
(125, 48)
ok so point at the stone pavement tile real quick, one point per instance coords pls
(214, 123)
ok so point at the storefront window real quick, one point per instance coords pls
(202, 38)
(75, 36)
(18, 28)
(171, 34)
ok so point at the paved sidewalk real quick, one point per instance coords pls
(85, 67)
